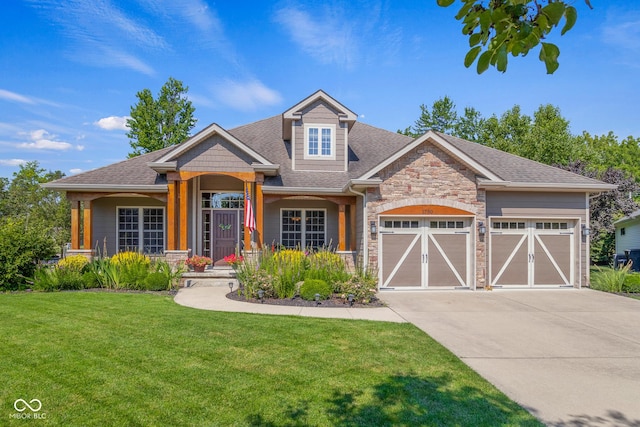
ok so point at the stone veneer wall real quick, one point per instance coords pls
(429, 176)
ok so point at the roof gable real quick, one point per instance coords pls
(437, 140)
(169, 161)
(344, 113)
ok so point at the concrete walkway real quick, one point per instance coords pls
(570, 357)
(211, 295)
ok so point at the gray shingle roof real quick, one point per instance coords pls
(369, 146)
(514, 168)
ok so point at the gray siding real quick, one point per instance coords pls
(321, 114)
(525, 204)
(272, 218)
(105, 219)
(631, 238)
(216, 155)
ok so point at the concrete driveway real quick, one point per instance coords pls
(571, 357)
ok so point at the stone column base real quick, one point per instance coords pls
(176, 258)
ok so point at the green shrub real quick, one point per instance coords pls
(632, 283)
(156, 281)
(362, 286)
(328, 266)
(90, 280)
(254, 281)
(610, 279)
(57, 279)
(311, 287)
(22, 245)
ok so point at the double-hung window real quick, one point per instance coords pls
(141, 230)
(303, 228)
(320, 141)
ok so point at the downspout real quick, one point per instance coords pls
(365, 251)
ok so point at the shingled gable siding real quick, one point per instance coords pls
(215, 154)
(428, 175)
(321, 114)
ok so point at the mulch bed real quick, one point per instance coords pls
(299, 302)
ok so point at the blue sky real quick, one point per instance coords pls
(69, 70)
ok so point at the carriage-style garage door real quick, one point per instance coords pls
(531, 253)
(425, 252)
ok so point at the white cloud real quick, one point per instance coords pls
(246, 96)
(113, 123)
(75, 171)
(622, 30)
(12, 96)
(12, 162)
(42, 140)
(328, 37)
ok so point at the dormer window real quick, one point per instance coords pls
(320, 141)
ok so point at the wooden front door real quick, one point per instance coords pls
(224, 234)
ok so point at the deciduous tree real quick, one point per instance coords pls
(162, 122)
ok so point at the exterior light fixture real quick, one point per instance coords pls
(585, 230)
(261, 295)
(230, 286)
(317, 296)
(350, 298)
(373, 227)
(482, 229)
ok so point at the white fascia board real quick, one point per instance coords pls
(103, 188)
(163, 167)
(206, 133)
(537, 186)
(444, 145)
(373, 182)
(269, 170)
(346, 114)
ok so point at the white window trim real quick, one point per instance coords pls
(319, 156)
(141, 226)
(303, 211)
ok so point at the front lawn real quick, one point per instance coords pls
(99, 358)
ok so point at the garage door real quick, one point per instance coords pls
(425, 252)
(530, 253)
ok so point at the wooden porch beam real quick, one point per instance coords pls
(88, 224)
(75, 224)
(342, 228)
(171, 216)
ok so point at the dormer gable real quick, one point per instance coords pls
(318, 130)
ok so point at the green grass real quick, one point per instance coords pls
(134, 359)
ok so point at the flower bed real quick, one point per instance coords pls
(284, 274)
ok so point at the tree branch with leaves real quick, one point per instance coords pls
(504, 27)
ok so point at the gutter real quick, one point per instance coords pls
(535, 186)
(105, 188)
